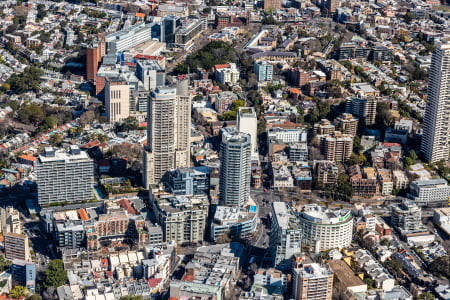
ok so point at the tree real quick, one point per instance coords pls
(33, 297)
(51, 121)
(412, 154)
(55, 140)
(441, 266)
(425, 296)
(131, 298)
(408, 17)
(408, 162)
(55, 275)
(369, 282)
(357, 144)
(18, 291)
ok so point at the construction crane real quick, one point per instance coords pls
(351, 78)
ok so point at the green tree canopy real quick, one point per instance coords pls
(18, 291)
(55, 275)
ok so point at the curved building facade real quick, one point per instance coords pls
(326, 229)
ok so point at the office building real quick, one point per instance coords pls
(94, 55)
(188, 32)
(285, 235)
(128, 38)
(168, 131)
(326, 229)
(64, 177)
(150, 73)
(336, 146)
(347, 124)
(16, 246)
(235, 172)
(272, 4)
(263, 70)
(363, 108)
(406, 217)
(169, 26)
(10, 220)
(226, 73)
(24, 274)
(117, 100)
(182, 218)
(436, 121)
(430, 193)
(69, 235)
(312, 282)
(189, 181)
(248, 123)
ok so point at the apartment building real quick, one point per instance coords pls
(64, 176)
(324, 127)
(326, 229)
(117, 100)
(325, 172)
(115, 225)
(436, 125)
(312, 282)
(235, 168)
(10, 220)
(386, 182)
(406, 217)
(336, 146)
(226, 73)
(69, 235)
(247, 122)
(168, 132)
(430, 193)
(263, 71)
(272, 4)
(285, 235)
(182, 218)
(365, 183)
(189, 181)
(16, 246)
(363, 108)
(347, 124)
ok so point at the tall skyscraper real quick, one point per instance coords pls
(248, 123)
(436, 122)
(117, 100)
(94, 56)
(64, 176)
(235, 164)
(168, 131)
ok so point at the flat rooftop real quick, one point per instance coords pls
(344, 273)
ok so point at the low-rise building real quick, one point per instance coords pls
(430, 193)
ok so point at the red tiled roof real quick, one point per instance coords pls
(124, 203)
(152, 282)
(222, 66)
(104, 262)
(83, 214)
